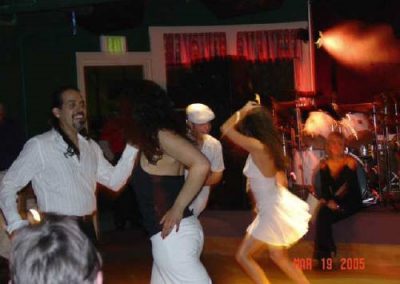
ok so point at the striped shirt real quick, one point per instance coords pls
(62, 185)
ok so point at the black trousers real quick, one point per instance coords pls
(86, 225)
(324, 244)
(126, 209)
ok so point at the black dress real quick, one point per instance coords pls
(155, 194)
(345, 190)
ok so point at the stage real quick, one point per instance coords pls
(368, 250)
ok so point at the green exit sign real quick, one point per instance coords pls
(113, 44)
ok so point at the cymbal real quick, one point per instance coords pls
(362, 107)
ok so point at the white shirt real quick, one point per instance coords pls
(62, 185)
(212, 149)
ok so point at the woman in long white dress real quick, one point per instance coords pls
(282, 218)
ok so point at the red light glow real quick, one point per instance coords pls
(356, 44)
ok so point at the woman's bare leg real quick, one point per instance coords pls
(280, 256)
(244, 256)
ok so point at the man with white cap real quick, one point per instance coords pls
(199, 117)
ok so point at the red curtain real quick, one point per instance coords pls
(185, 48)
(269, 45)
(278, 44)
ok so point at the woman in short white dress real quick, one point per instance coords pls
(282, 218)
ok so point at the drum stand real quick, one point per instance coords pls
(302, 189)
(377, 149)
(396, 115)
(385, 145)
(289, 147)
(396, 182)
(388, 178)
(299, 140)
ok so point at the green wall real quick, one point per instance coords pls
(37, 52)
(10, 93)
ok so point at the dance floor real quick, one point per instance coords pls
(372, 238)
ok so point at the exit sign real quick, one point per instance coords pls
(113, 44)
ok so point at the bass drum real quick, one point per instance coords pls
(357, 129)
(361, 176)
(369, 196)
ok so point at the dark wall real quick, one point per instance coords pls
(195, 12)
(49, 62)
(38, 48)
(10, 92)
(39, 55)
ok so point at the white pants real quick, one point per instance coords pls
(200, 202)
(176, 259)
(5, 243)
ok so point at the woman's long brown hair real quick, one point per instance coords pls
(258, 124)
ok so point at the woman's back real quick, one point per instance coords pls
(253, 173)
(264, 162)
(166, 166)
(156, 194)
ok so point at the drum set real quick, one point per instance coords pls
(372, 132)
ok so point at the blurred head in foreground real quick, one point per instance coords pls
(54, 251)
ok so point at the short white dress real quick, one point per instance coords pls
(282, 218)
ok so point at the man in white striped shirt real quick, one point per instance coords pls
(64, 167)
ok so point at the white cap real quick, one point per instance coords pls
(199, 113)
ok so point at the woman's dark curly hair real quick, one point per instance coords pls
(152, 111)
(258, 124)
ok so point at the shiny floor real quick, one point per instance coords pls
(127, 259)
(373, 235)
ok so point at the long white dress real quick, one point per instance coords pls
(282, 218)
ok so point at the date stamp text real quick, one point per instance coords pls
(344, 263)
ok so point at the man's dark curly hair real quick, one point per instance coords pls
(152, 111)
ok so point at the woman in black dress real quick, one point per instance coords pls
(163, 193)
(339, 192)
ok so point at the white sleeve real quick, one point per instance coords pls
(115, 177)
(217, 161)
(25, 167)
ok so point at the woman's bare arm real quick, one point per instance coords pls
(198, 167)
(228, 130)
